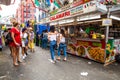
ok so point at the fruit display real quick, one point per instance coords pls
(80, 50)
(96, 53)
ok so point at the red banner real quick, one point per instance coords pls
(79, 2)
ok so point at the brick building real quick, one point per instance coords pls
(26, 11)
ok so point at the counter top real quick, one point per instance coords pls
(88, 39)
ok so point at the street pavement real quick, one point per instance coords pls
(38, 67)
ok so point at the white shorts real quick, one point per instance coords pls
(23, 43)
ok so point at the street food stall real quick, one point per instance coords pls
(85, 29)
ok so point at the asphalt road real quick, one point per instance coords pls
(37, 67)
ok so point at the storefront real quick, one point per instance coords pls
(84, 31)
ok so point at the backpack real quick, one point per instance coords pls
(9, 37)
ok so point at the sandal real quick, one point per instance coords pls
(16, 64)
(64, 59)
(19, 61)
(58, 59)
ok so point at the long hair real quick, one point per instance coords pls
(62, 32)
(52, 29)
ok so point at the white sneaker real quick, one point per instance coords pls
(24, 57)
(52, 61)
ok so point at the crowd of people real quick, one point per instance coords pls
(18, 37)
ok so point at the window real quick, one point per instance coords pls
(24, 9)
(28, 11)
(29, 15)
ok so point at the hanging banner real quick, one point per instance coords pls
(79, 2)
(78, 10)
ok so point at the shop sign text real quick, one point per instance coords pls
(77, 9)
(61, 15)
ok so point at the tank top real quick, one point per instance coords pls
(53, 37)
(62, 40)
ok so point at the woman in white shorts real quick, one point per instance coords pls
(24, 39)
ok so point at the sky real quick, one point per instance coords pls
(9, 10)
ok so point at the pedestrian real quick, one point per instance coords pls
(31, 34)
(3, 39)
(52, 39)
(37, 39)
(45, 39)
(62, 45)
(5, 34)
(15, 45)
(24, 43)
(41, 38)
(8, 41)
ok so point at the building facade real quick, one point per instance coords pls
(26, 11)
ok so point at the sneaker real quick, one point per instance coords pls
(52, 61)
(24, 57)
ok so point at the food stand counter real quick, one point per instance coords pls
(93, 49)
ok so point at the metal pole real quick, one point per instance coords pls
(107, 28)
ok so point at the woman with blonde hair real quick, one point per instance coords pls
(15, 44)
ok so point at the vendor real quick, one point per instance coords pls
(82, 33)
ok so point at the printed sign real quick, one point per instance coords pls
(78, 9)
(106, 22)
(61, 15)
(81, 9)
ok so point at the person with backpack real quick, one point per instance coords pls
(9, 40)
(44, 39)
(62, 45)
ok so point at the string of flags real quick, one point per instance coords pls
(56, 4)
